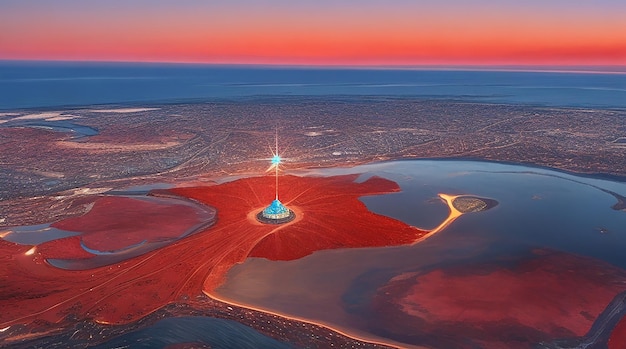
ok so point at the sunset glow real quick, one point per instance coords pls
(320, 32)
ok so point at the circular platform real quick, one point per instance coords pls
(275, 213)
(261, 218)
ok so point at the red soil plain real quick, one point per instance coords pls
(115, 223)
(329, 215)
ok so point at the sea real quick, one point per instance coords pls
(39, 84)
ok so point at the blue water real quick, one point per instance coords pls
(54, 84)
(198, 331)
(76, 130)
(537, 207)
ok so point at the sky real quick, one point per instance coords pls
(319, 32)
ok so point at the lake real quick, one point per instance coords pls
(541, 212)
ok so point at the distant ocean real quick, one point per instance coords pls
(66, 84)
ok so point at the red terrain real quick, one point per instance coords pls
(115, 223)
(618, 336)
(499, 305)
(496, 305)
(329, 215)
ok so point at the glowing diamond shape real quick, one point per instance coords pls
(276, 160)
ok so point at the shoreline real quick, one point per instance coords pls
(453, 214)
(339, 330)
(281, 98)
(193, 140)
(206, 154)
(216, 178)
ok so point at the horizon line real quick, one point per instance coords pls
(564, 68)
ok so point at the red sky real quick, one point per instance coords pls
(370, 32)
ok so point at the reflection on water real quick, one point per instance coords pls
(77, 130)
(538, 208)
(35, 234)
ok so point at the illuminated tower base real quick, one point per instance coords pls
(276, 213)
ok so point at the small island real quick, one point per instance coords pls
(467, 204)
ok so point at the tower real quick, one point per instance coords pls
(276, 212)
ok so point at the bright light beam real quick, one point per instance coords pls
(276, 160)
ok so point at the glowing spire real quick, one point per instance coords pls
(275, 162)
(276, 212)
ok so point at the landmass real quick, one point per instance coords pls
(119, 291)
(114, 288)
(64, 166)
(467, 204)
(94, 148)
